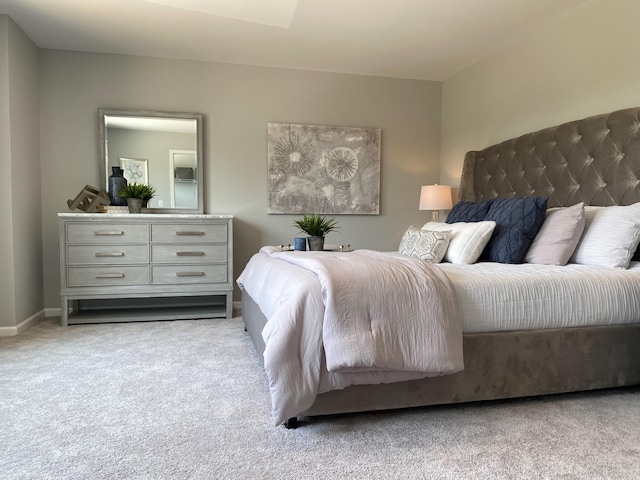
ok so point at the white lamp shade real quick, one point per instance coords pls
(435, 197)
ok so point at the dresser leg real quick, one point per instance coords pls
(64, 312)
(229, 305)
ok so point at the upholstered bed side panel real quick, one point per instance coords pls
(509, 365)
(595, 160)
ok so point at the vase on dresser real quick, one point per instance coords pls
(116, 183)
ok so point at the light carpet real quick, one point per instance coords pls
(189, 400)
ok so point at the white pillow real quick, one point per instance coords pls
(557, 239)
(428, 246)
(467, 239)
(611, 236)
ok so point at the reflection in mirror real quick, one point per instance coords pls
(161, 149)
(183, 181)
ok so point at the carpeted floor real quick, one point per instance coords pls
(189, 400)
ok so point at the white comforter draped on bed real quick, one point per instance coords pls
(380, 317)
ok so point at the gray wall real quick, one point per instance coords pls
(21, 282)
(237, 102)
(582, 63)
(7, 287)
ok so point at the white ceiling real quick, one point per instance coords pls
(419, 39)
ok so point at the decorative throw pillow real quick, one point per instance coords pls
(517, 223)
(467, 239)
(557, 239)
(469, 211)
(428, 246)
(611, 236)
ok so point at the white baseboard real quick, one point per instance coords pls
(55, 312)
(22, 326)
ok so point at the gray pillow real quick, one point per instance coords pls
(558, 237)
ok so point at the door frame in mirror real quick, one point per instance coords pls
(104, 160)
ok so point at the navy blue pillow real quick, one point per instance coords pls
(517, 223)
(469, 211)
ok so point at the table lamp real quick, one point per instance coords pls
(435, 198)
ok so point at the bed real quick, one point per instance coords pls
(575, 342)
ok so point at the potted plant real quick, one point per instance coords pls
(137, 196)
(149, 193)
(316, 226)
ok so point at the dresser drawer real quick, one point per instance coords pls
(107, 254)
(107, 233)
(189, 233)
(114, 275)
(189, 253)
(185, 274)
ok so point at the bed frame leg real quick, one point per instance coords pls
(291, 423)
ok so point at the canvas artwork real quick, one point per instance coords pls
(320, 169)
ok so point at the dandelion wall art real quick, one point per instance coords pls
(320, 169)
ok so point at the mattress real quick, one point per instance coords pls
(501, 297)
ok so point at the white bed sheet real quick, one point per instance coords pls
(500, 297)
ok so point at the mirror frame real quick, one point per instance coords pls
(104, 161)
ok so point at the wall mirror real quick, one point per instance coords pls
(161, 149)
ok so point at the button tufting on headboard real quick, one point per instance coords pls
(595, 160)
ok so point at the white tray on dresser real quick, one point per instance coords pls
(119, 268)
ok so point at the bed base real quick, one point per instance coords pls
(498, 365)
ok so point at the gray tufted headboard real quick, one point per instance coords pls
(595, 160)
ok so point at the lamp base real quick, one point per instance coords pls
(435, 215)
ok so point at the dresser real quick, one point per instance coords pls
(120, 268)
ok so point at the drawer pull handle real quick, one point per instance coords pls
(190, 254)
(108, 232)
(110, 275)
(189, 233)
(190, 274)
(109, 254)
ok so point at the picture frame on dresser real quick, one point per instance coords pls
(120, 268)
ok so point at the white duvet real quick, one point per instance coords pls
(340, 319)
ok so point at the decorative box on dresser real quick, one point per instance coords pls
(118, 268)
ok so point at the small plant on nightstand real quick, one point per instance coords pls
(316, 226)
